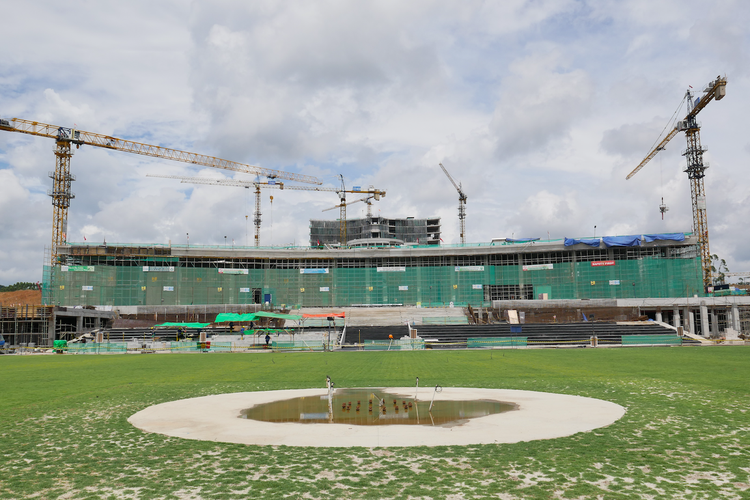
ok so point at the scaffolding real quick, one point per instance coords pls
(160, 275)
(25, 324)
(409, 230)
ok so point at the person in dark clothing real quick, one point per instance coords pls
(268, 339)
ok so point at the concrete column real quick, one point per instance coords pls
(676, 318)
(704, 319)
(714, 323)
(658, 316)
(79, 324)
(51, 327)
(686, 320)
(736, 318)
(97, 322)
(691, 322)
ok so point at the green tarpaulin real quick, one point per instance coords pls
(264, 314)
(239, 318)
(183, 325)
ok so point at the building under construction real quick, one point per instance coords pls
(608, 278)
(423, 275)
(376, 231)
(35, 325)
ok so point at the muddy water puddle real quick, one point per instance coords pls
(374, 407)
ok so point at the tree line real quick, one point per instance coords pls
(21, 285)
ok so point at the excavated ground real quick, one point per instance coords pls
(21, 297)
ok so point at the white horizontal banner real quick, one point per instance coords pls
(233, 271)
(469, 268)
(165, 269)
(538, 267)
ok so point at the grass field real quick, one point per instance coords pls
(64, 430)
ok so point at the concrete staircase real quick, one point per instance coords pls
(558, 334)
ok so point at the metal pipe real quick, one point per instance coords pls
(437, 389)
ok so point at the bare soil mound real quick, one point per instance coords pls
(21, 297)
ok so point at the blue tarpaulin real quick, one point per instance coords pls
(622, 241)
(666, 236)
(592, 242)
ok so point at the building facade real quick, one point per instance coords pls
(427, 275)
(359, 231)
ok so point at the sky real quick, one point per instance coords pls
(538, 108)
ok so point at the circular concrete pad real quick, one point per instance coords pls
(540, 415)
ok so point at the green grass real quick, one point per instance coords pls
(64, 429)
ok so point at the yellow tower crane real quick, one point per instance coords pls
(461, 205)
(696, 168)
(372, 192)
(342, 207)
(62, 178)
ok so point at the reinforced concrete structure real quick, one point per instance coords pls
(710, 317)
(377, 231)
(30, 326)
(424, 275)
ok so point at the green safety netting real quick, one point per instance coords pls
(183, 325)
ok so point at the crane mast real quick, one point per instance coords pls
(695, 167)
(461, 204)
(62, 179)
(371, 192)
(61, 194)
(342, 213)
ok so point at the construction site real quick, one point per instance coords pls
(378, 271)
(373, 231)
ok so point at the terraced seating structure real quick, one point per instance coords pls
(542, 335)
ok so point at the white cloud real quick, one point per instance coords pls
(538, 108)
(539, 104)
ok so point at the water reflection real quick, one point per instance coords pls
(373, 407)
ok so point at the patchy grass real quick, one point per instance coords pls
(64, 430)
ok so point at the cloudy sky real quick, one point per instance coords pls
(539, 108)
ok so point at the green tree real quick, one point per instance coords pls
(718, 270)
(21, 285)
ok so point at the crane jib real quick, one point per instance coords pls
(65, 136)
(696, 167)
(81, 137)
(714, 90)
